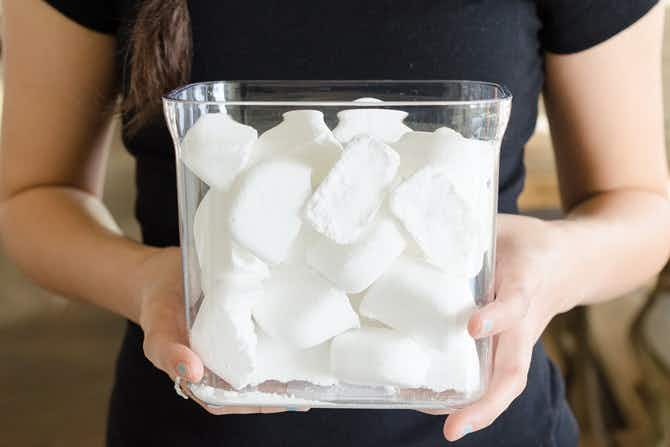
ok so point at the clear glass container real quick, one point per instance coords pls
(336, 236)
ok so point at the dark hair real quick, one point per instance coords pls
(159, 58)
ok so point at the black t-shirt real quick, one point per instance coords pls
(487, 40)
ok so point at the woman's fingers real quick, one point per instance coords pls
(166, 337)
(249, 410)
(510, 372)
(506, 312)
(169, 354)
(231, 409)
(220, 410)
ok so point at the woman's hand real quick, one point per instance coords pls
(531, 266)
(162, 320)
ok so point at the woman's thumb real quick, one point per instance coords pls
(173, 357)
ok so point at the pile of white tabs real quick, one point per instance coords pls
(342, 256)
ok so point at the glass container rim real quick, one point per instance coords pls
(505, 94)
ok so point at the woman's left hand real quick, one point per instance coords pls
(531, 266)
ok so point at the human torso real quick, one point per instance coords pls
(485, 40)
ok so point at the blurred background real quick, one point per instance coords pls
(57, 357)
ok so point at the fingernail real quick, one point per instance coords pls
(487, 326)
(291, 409)
(466, 430)
(181, 369)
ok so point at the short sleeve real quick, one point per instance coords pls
(97, 15)
(570, 26)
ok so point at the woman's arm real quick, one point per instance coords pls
(604, 106)
(60, 91)
(59, 102)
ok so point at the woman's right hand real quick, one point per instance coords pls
(161, 316)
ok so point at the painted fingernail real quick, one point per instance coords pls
(487, 326)
(466, 430)
(181, 369)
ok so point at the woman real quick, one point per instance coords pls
(597, 62)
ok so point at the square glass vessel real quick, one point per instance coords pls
(336, 236)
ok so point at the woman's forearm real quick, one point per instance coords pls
(62, 238)
(611, 244)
